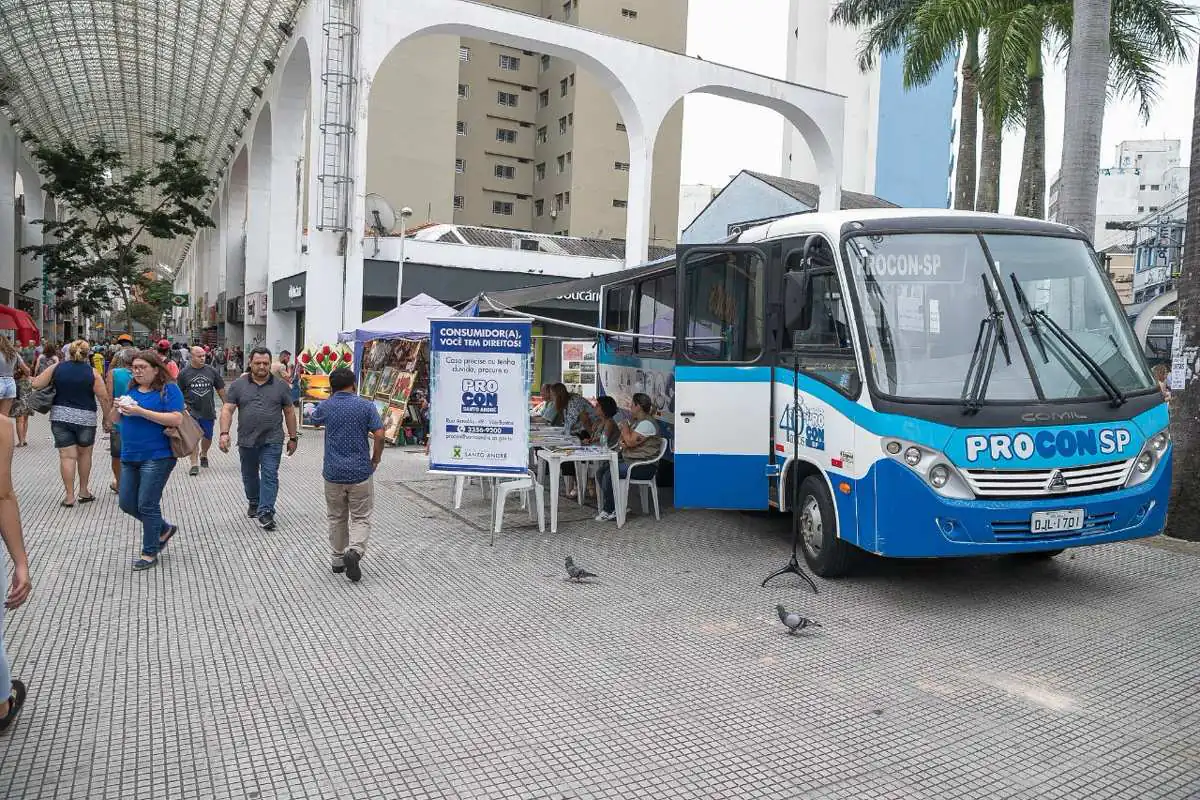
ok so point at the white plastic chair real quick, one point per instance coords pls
(525, 486)
(645, 485)
(460, 483)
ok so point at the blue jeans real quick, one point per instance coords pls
(142, 484)
(260, 475)
(604, 475)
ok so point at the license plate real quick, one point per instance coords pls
(1056, 521)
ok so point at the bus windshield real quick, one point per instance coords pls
(924, 300)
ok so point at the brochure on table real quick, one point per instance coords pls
(479, 390)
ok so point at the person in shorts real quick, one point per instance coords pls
(201, 385)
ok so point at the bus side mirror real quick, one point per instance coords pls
(797, 311)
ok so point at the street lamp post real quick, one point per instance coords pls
(405, 213)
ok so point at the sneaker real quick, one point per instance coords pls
(605, 516)
(351, 559)
(266, 521)
(252, 512)
(204, 461)
(338, 565)
(194, 471)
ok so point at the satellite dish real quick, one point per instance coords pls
(380, 216)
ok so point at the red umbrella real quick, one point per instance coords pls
(13, 319)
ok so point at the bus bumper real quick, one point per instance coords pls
(905, 518)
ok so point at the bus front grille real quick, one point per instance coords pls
(1017, 483)
(1020, 531)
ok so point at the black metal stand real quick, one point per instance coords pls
(793, 566)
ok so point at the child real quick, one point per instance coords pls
(20, 410)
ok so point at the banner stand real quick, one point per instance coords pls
(479, 397)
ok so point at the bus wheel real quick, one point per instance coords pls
(826, 554)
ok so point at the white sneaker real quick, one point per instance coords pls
(606, 516)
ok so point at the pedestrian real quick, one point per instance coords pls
(21, 412)
(348, 469)
(167, 356)
(263, 403)
(78, 389)
(117, 384)
(10, 359)
(154, 403)
(19, 588)
(201, 385)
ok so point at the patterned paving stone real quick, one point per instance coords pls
(242, 668)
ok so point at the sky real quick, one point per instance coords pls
(722, 137)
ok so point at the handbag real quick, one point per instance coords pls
(185, 437)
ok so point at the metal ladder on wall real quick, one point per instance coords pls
(337, 115)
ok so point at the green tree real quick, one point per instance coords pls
(153, 301)
(98, 252)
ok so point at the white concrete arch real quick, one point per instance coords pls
(29, 267)
(258, 220)
(621, 67)
(233, 222)
(289, 151)
(1141, 326)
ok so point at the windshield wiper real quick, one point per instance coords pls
(1035, 317)
(983, 357)
(1029, 319)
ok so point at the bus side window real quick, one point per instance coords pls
(725, 299)
(824, 348)
(618, 316)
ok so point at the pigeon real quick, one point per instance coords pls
(794, 621)
(578, 573)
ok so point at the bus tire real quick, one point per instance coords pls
(826, 553)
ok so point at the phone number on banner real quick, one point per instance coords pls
(478, 429)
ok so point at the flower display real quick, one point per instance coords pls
(324, 359)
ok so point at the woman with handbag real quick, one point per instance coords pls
(76, 390)
(154, 404)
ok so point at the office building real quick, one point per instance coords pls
(479, 133)
(899, 143)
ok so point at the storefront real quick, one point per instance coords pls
(289, 295)
(455, 286)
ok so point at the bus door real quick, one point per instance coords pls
(722, 379)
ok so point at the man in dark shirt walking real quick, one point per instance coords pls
(349, 420)
(201, 384)
(264, 404)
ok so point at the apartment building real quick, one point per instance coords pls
(519, 140)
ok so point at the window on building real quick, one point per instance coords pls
(545, 63)
(506, 135)
(460, 202)
(569, 159)
(562, 164)
(539, 208)
(571, 78)
(460, 165)
(571, 118)
(507, 99)
(505, 172)
(562, 88)
(544, 99)
(1154, 208)
(542, 136)
(461, 128)
(558, 202)
(621, 127)
(1141, 209)
(464, 54)
(502, 207)
(628, 13)
(510, 63)
(566, 199)
(562, 125)
(1142, 188)
(539, 172)
(724, 295)
(620, 204)
(621, 166)
(656, 314)
(1154, 187)
(464, 91)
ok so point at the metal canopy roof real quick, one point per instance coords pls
(122, 69)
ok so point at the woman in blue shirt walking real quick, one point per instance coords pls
(154, 403)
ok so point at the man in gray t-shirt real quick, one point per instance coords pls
(262, 403)
(201, 385)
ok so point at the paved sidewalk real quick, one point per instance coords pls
(242, 668)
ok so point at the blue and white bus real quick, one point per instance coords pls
(911, 383)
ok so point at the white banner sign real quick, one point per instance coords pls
(479, 395)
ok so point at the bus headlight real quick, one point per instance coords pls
(939, 476)
(912, 456)
(1148, 460)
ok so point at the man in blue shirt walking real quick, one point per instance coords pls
(349, 420)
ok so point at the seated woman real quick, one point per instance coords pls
(577, 413)
(603, 434)
(638, 442)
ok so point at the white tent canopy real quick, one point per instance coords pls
(410, 320)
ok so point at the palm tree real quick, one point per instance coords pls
(890, 26)
(1185, 415)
